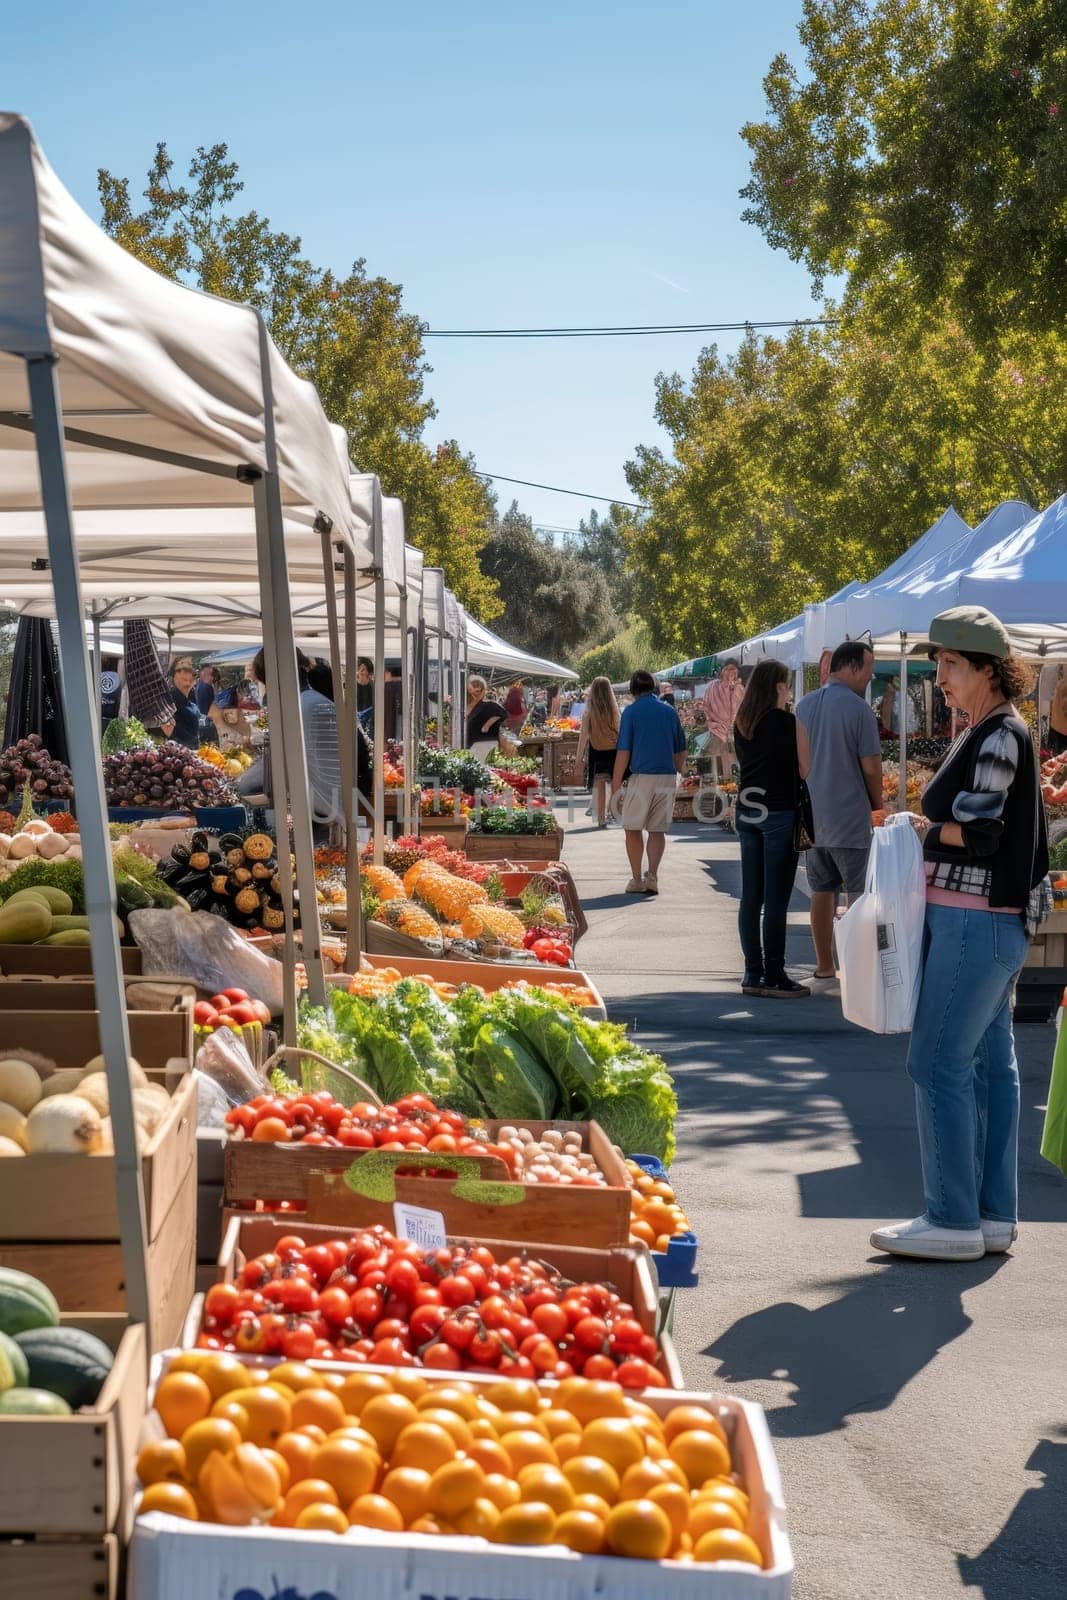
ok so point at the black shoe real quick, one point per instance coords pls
(752, 982)
(780, 986)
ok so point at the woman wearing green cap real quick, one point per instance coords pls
(985, 847)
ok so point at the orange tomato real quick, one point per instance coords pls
(581, 1531)
(173, 1498)
(592, 1475)
(640, 1529)
(455, 1486)
(707, 1514)
(614, 1439)
(162, 1461)
(205, 1436)
(375, 1511)
(409, 1490)
(546, 1484)
(347, 1466)
(726, 1544)
(700, 1454)
(527, 1523)
(329, 1518)
(182, 1398)
(385, 1417)
(319, 1406)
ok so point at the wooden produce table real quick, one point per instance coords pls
(525, 846)
(1044, 975)
(561, 764)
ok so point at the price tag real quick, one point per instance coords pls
(421, 1226)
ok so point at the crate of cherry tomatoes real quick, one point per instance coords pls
(310, 1151)
(369, 1298)
(282, 1476)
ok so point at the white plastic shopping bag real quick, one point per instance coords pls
(880, 936)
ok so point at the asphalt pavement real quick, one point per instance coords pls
(919, 1410)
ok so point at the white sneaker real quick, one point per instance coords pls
(635, 886)
(921, 1238)
(651, 883)
(998, 1236)
(829, 985)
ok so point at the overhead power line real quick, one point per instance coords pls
(551, 488)
(624, 332)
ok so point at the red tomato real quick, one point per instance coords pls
(458, 1332)
(391, 1353)
(235, 994)
(457, 1291)
(392, 1328)
(298, 1341)
(442, 1356)
(442, 1141)
(425, 1322)
(402, 1279)
(590, 1333)
(638, 1374)
(598, 1367)
(220, 1002)
(205, 1015)
(427, 1294)
(367, 1306)
(320, 1259)
(626, 1335)
(220, 1304)
(241, 1013)
(356, 1138)
(416, 1102)
(485, 1348)
(294, 1294)
(335, 1306)
(551, 1320)
(249, 1337)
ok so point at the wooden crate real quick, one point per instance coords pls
(597, 1217)
(70, 1475)
(87, 1275)
(629, 1269)
(72, 1038)
(73, 1197)
(22, 991)
(1049, 946)
(488, 975)
(60, 961)
(61, 1569)
(520, 846)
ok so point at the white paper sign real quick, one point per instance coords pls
(423, 1227)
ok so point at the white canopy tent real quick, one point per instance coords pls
(784, 643)
(486, 649)
(121, 389)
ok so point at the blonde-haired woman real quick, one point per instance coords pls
(597, 740)
(485, 717)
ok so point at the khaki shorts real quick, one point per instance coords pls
(649, 802)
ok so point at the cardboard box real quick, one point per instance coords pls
(629, 1269)
(71, 1475)
(550, 1213)
(88, 1276)
(172, 1559)
(61, 1569)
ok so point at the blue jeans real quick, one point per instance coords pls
(768, 872)
(962, 1062)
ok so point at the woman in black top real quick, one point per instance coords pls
(484, 716)
(772, 749)
(985, 846)
(185, 728)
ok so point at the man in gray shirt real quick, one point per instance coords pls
(846, 786)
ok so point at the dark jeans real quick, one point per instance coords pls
(768, 871)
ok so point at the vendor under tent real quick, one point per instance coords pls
(119, 388)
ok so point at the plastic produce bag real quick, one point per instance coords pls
(208, 951)
(223, 1061)
(880, 936)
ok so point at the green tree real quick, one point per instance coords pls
(601, 541)
(555, 603)
(926, 143)
(800, 463)
(620, 657)
(348, 334)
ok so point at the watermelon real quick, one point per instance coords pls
(66, 1362)
(32, 1403)
(25, 1302)
(14, 1368)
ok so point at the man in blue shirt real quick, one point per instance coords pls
(652, 746)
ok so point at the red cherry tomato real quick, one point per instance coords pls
(442, 1356)
(366, 1307)
(551, 1320)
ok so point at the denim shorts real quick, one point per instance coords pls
(830, 868)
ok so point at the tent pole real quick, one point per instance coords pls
(92, 816)
(283, 684)
(405, 705)
(379, 719)
(353, 888)
(902, 718)
(344, 713)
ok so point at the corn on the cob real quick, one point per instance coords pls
(479, 922)
(385, 883)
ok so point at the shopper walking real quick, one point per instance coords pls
(986, 850)
(651, 748)
(772, 749)
(598, 739)
(722, 701)
(515, 706)
(846, 786)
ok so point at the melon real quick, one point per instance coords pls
(67, 1362)
(14, 1368)
(32, 1403)
(25, 1302)
(12, 1123)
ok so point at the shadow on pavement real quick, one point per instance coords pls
(742, 1084)
(612, 902)
(1028, 1558)
(857, 1352)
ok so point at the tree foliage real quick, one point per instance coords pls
(556, 603)
(926, 142)
(800, 463)
(348, 334)
(602, 541)
(620, 657)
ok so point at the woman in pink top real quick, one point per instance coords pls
(722, 701)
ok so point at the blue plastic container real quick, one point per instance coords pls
(677, 1269)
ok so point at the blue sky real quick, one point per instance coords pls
(509, 165)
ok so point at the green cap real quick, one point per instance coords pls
(970, 629)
